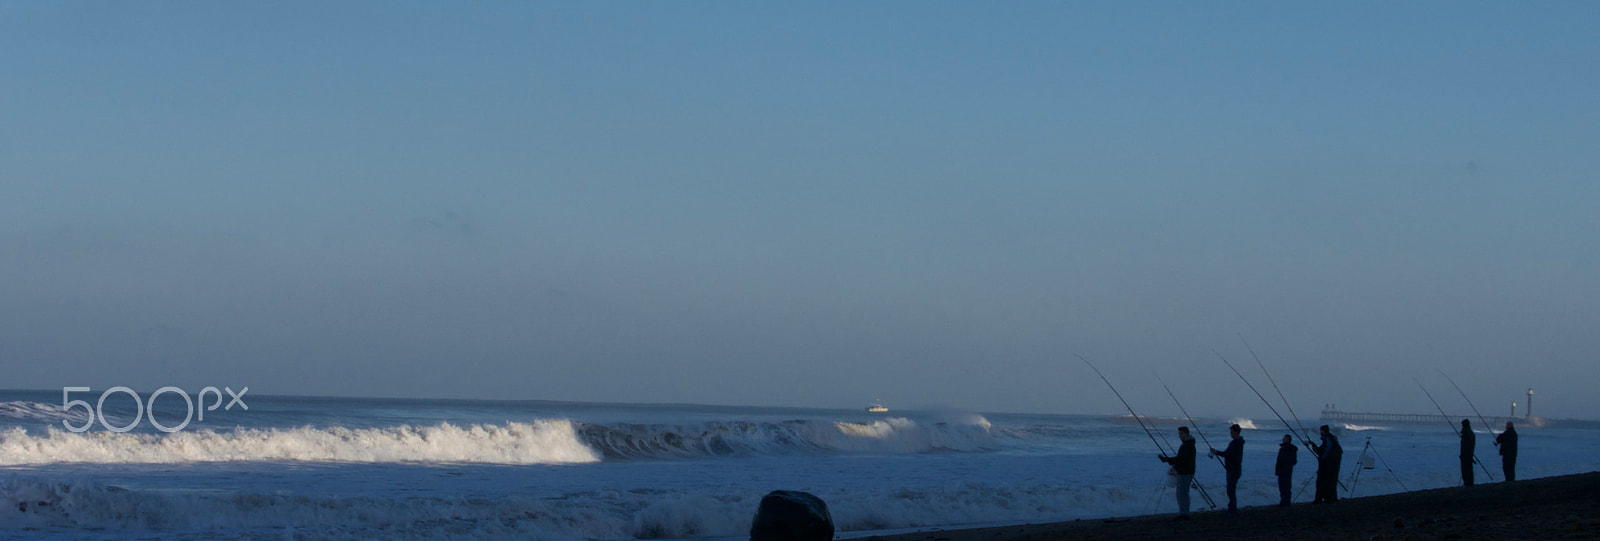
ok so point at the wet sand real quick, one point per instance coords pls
(1564, 507)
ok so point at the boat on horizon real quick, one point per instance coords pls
(877, 406)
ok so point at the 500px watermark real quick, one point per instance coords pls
(97, 411)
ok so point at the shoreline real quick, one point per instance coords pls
(1565, 506)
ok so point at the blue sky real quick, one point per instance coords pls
(937, 204)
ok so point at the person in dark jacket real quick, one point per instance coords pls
(1508, 451)
(1233, 463)
(1469, 441)
(1287, 457)
(1329, 454)
(1183, 468)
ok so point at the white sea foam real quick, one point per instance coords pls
(1358, 428)
(86, 507)
(903, 435)
(1245, 424)
(538, 442)
(39, 504)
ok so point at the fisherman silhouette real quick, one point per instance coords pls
(1183, 468)
(1287, 457)
(1329, 455)
(1233, 463)
(1468, 442)
(1508, 451)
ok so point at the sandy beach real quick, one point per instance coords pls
(1562, 507)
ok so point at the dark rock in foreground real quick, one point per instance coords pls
(788, 515)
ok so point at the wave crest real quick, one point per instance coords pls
(538, 442)
(40, 411)
(741, 438)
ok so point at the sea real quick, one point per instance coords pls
(274, 467)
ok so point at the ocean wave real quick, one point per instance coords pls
(538, 442)
(40, 411)
(1359, 428)
(742, 438)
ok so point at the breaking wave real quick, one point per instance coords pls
(1360, 428)
(737, 438)
(537, 442)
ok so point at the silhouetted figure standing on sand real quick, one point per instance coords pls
(1329, 454)
(1183, 468)
(1508, 451)
(1233, 462)
(1469, 441)
(1287, 457)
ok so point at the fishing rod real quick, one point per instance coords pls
(1274, 384)
(1258, 395)
(1203, 493)
(1190, 419)
(1147, 432)
(1124, 404)
(1303, 439)
(1485, 422)
(1453, 427)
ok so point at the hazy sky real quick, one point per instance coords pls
(936, 204)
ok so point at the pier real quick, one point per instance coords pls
(1330, 415)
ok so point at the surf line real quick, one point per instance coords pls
(1453, 428)
(1147, 432)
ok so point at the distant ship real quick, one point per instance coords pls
(877, 407)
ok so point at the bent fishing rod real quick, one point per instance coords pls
(1125, 405)
(1485, 422)
(1147, 432)
(1274, 385)
(1190, 419)
(1203, 493)
(1264, 400)
(1303, 439)
(1453, 428)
